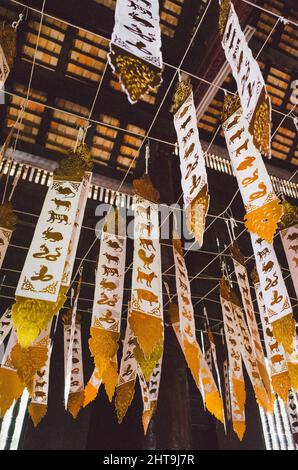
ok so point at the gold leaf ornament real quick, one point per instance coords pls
(8, 41)
(147, 365)
(196, 213)
(74, 166)
(37, 411)
(147, 416)
(11, 388)
(124, 396)
(214, 405)
(284, 331)
(148, 331)
(264, 220)
(224, 9)
(136, 76)
(8, 219)
(293, 374)
(110, 379)
(260, 124)
(281, 384)
(31, 316)
(239, 428)
(103, 347)
(28, 361)
(75, 403)
(239, 392)
(192, 358)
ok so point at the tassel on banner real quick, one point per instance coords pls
(37, 412)
(147, 416)
(75, 403)
(124, 396)
(239, 428)
(147, 365)
(11, 387)
(110, 379)
(284, 330)
(92, 387)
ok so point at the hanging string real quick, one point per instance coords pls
(147, 156)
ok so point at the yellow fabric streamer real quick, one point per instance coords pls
(28, 361)
(75, 403)
(37, 412)
(11, 388)
(239, 392)
(293, 374)
(148, 330)
(192, 358)
(214, 405)
(281, 384)
(103, 345)
(147, 365)
(284, 331)
(31, 316)
(124, 396)
(110, 379)
(239, 428)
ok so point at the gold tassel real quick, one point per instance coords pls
(281, 384)
(75, 403)
(263, 220)
(124, 396)
(196, 214)
(284, 332)
(263, 399)
(31, 316)
(214, 404)
(103, 346)
(239, 392)
(110, 379)
(192, 359)
(90, 393)
(293, 374)
(37, 411)
(147, 365)
(148, 331)
(239, 428)
(147, 416)
(11, 388)
(137, 76)
(28, 361)
(265, 377)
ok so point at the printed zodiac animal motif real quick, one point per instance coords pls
(41, 373)
(187, 331)
(182, 285)
(184, 111)
(39, 394)
(296, 262)
(195, 182)
(235, 355)
(45, 253)
(263, 253)
(237, 135)
(108, 285)
(147, 260)
(233, 342)
(141, 20)
(115, 245)
(110, 271)
(274, 346)
(269, 332)
(271, 282)
(188, 136)
(110, 258)
(244, 146)
(292, 236)
(51, 236)
(148, 278)
(142, 228)
(147, 296)
(233, 123)
(105, 300)
(266, 267)
(186, 314)
(185, 299)
(67, 192)
(42, 275)
(250, 179)
(259, 241)
(107, 317)
(184, 125)
(40, 384)
(60, 218)
(230, 330)
(189, 151)
(144, 211)
(75, 360)
(276, 299)
(247, 163)
(74, 383)
(294, 248)
(59, 203)
(263, 190)
(146, 243)
(277, 359)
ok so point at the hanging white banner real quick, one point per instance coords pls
(252, 91)
(263, 208)
(135, 46)
(192, 164)
(42, 272)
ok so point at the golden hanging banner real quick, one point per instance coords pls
(124, 396)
